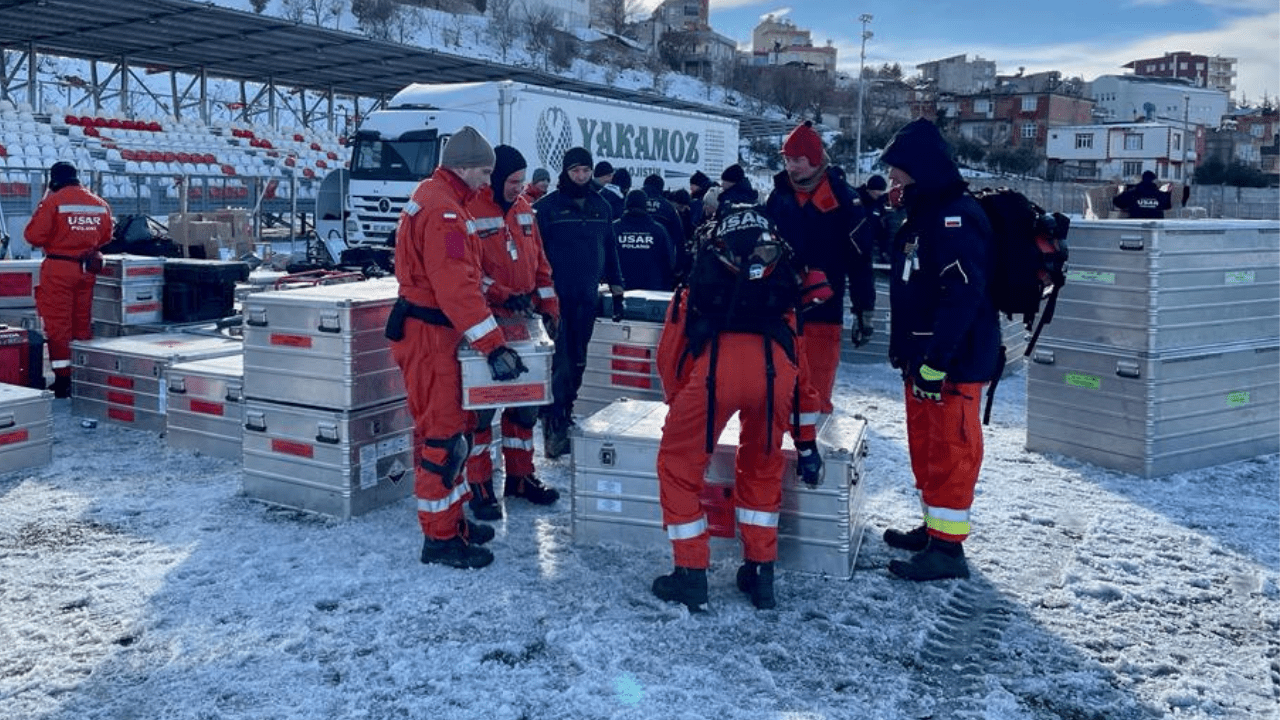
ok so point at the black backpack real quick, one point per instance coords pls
(1030, 262)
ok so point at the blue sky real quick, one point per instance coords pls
(1080, 37)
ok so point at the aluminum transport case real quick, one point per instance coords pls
(122, 380)
(129, 290)
(1154, 414)
(334, 462)
(206, 406)
(528, 338)
(1157, 285)
(615, 489)
(18, 281)
(322, 346)
(622, 361)
(26, 428)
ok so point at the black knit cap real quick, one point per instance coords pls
(733, 174)
(575, 156)
(622, 179)
(700, 179)
(506, 161)
(636, 200)
(62, 174)
(602, 168)
(654, 183)
(877, 182)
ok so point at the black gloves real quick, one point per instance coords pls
(519, 304)
(809, 467)
(619, 307)
(926, 383)
(505, 364)
(863, 328)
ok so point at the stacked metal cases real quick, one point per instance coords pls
(122, 380)
(1164, 354)
(326, 425)
(616, 492)
(622, 362)
(26, 427)
(1014, 335)
(128, 292)
(18, 281)
(196, 290)
(206, 406)
(530, 341)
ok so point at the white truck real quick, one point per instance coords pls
(399, 145)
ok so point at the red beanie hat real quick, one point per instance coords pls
(804, 142)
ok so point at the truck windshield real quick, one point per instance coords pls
(410, 157)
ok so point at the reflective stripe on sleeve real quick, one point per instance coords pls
(444, 503)
(517, 443)
(947, 520)
(809, 418)
(487, 282)
(524, 218)
(479, 449)
(480, 329)
(687, 531)
(759, 518)
(488, 223)
(89, 209)
(59, 364)
(411, 208)
(546, 292)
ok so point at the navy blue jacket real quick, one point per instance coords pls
(824, 239)
(941, 313)
(645, 252)
(577, 235)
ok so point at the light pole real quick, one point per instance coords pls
(1186, 126)
(864, 18)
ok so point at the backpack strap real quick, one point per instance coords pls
(711, 393)
(1002, 358)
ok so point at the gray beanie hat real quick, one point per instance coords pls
(467, 148)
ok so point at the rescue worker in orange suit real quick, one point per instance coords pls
(517, 283)
(944, 338)
(70, 225)
(817, 211)
(441, 304)
(729, 345)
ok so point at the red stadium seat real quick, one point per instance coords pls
(92, 131)
(170, 157)
(3, 151)
(308, 172)
(71, 120)
(297, 137)
(154, 126)
(321, 164)
(332, 155)
(315, 146)
(228, 169)
(114, 123)
(86, 121)
(290, 162)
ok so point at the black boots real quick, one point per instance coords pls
(756, 579)
(912, 541)
(939, 560)
(463, 550)
(483, 503)
(555, 436)
(683, 585)
(530, 488)
(61, 386)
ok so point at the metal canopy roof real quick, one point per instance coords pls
(188, 37)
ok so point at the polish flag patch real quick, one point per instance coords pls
(951, 221)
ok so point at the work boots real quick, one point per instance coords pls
(913, 540)
(61, 386)
(455, 552)
(940, 560)
(555, 436)
(476, 533)
(483, 503)
(530, 488)
(683, 585)
(756, 579)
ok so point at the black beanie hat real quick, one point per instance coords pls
(541, 175)
(602, 168)
(700, 179)
(575, 156)
(62, 174)
(680, 197)
(506, 161)
(636, 200)
(654, 183)
(876, 182)
(1148, 176)
(733, 174)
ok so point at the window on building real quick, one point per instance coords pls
(1084, 141)
(1177, 173)
(1132, 141)
(1029, 103)
(1257, 130)
(1132, 168)
(1177, 141)
(1164, 171)
(1029, 131)
(982, 106)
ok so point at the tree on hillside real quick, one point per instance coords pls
(615, 15)
(259, 6)
(325, 13)
(387, 19)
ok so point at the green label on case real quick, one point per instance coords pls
(1236, 399)
(1089, 382)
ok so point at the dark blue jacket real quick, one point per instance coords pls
(1144, 201)
(645, 252)
(823, 239)
(738, 193)
(941, 313)
(577, 235)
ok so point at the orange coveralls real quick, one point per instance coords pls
(438, 266)
(513, 263)
(68, 224)
(758, 467)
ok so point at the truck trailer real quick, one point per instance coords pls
(399, 145)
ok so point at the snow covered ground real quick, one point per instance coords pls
(138, 582)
